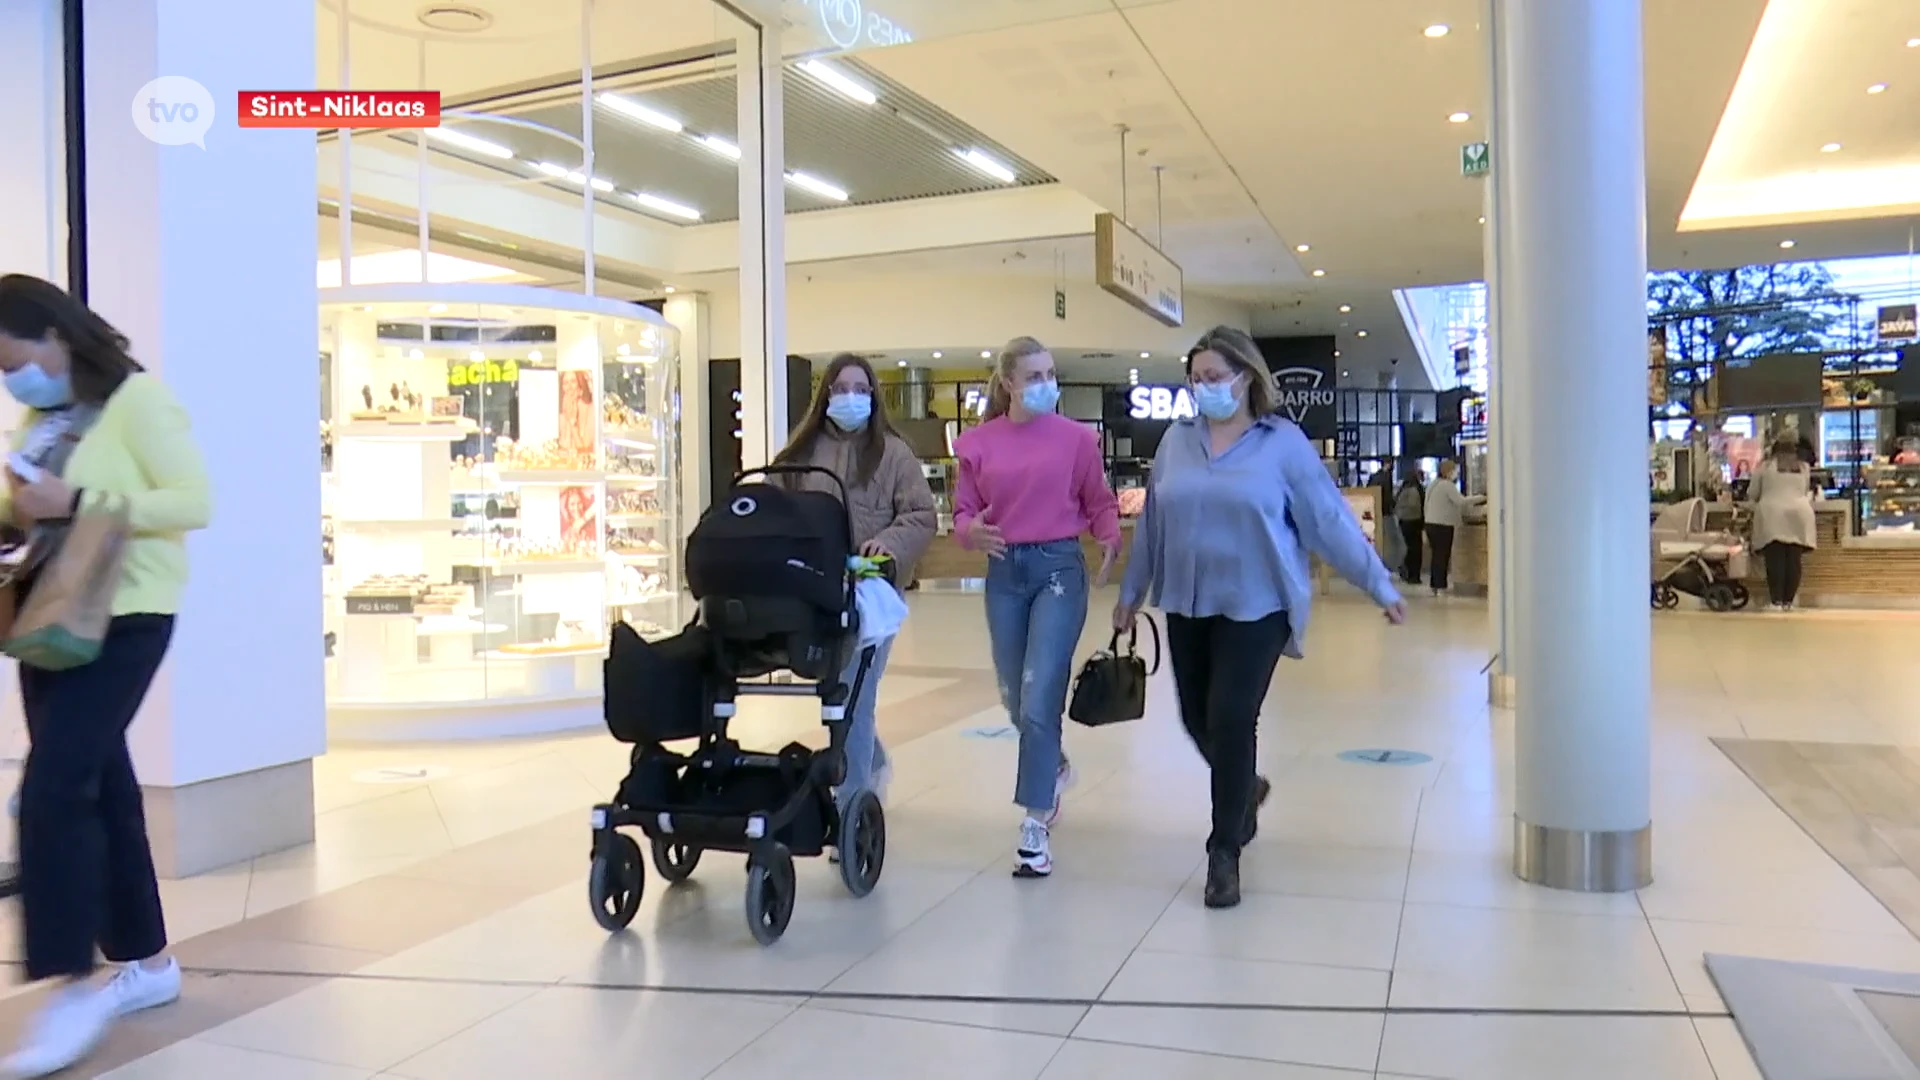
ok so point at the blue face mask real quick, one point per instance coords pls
(31, 386)
(850, 411)
(1216, 401)
(1040, 397)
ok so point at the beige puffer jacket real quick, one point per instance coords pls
(895, 507)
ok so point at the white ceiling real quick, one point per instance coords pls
(1281, 122)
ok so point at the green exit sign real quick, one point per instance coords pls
(1475, 159)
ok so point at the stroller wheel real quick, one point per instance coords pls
(675, 862)
(1665, 597)
(1741, 597)
(863, 843)
(770, 892)
(616, 881)
(1718, 597)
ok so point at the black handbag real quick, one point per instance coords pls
(1112, 686)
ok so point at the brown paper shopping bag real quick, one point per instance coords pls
(63, 620)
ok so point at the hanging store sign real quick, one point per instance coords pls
(1129, 267)
(1899, 322)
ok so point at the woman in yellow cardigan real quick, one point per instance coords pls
(96, 426)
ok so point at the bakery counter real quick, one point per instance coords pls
(946, 560)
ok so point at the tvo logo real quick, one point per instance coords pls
(174, 110)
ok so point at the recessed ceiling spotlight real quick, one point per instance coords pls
(1877, 88)
(1319, 273)
(437, 309)
(903, 363)
(476, 356)
(1786, 244)
(986, 354)
(937, 354)
(454, 18)
(1344, 308)
(1346, 374)
(1146, 356)
(1437, 30)
(669, 290)
(416, 354)
(1336, 354)
(1303, 248)
(533, 357)
(1459, 117)
(1362, 333)
(1830, 148)
(1483, 219)
(1913, 43)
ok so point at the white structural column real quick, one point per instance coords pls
(763, 246)
(689, 315)
(1508, 641)
(1572, 275)
(205, 259)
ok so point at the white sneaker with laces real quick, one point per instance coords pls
(134, 988)
(67, 1029)
(1064, 779)
(1032, 860)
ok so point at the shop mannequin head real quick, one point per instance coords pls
(1225, 368)
(847, 382)
(54, 350)
(1024, 383)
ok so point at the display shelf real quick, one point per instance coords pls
(520, 377)
(387, 431)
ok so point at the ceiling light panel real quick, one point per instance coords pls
(985, 164)
(460, 140)
(845, 84)
(666, 206)
(867, 154)
(809, 182)
(639, 113)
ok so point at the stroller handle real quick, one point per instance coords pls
(770, 471)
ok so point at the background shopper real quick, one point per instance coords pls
(97, 429)
(1237, 499)
(1410, 512)
(1781, 493)
(847, 432)
(1445, 511)
(1031, 481)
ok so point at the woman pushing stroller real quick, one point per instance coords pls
(891, 506)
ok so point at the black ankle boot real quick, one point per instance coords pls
(1223, 879)
(1262, 790)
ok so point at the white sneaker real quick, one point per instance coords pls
(1031, 860)
(65, 1031)
(134, 989)
(1062, 781)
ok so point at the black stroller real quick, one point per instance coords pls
(768, 566)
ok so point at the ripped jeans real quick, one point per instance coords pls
(1036, 607)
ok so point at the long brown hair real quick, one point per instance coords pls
(1000, 387)
(1236, 347)
(870, 441)
(31, 309)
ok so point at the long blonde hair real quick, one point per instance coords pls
(1000, 389)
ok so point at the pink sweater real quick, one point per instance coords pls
(1039, 481)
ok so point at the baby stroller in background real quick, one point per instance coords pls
(769, 568)
(1712, 565)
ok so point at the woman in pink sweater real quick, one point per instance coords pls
(1031, 481)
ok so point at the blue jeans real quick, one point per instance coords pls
(865, 756)
(1036, 607)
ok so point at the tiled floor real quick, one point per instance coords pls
(439, 927)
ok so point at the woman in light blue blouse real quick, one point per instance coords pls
(1237, 500)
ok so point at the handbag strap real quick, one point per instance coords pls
(1133, 641)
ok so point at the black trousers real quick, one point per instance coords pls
(1440, 538)
(1783, 570)
(86, 870)
(1414, 533)
(1221, 670)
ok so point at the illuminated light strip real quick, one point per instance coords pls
(572, 176)
(987, 165)
(809, 182)
(463, 141)
(633, 110)
(666, 206)
(840, 81)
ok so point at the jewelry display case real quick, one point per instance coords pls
(502, 489)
